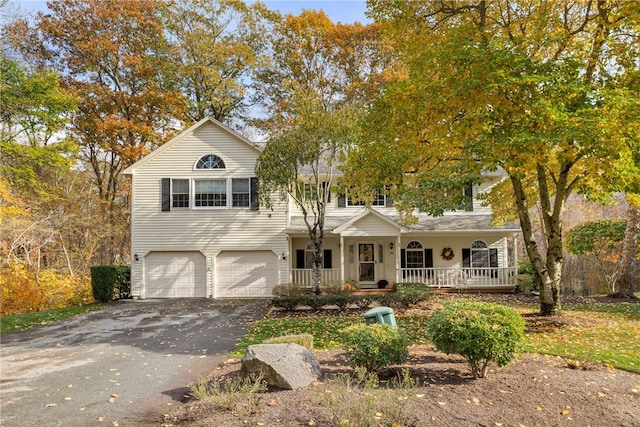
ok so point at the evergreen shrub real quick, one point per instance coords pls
(374, 347)
(481, 332)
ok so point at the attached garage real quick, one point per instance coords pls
(246, 273)
(175, 275)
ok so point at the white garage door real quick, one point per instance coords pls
(246, 274)
(175, 274)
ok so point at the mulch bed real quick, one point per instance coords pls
(535, 390)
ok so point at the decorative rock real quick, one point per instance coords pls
(285, 366)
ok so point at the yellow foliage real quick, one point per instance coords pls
(22, 292)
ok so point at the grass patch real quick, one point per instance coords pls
(20, 322)
(607, 334)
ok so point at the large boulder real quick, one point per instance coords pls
(285, 366)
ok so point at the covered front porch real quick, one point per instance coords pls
(441, 278)
(371, 250)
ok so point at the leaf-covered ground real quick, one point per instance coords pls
(536, 390)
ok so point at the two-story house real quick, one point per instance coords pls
(197, 230)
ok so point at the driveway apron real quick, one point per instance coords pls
(120, 366)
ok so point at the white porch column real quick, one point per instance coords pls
(342, 266)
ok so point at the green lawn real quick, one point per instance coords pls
(20, 322)
(607, 334)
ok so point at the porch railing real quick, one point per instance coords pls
(459, 277)
(304, 276)
(434, 277)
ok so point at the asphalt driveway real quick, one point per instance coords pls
(120, 366)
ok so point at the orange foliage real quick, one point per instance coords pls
(22, 292)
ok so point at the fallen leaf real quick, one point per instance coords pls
(476, 400)
(100, 419)
(50, 405)
(538, 408)
(272, 402)
(311, 422)
(442, 403)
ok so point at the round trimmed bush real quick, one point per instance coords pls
(375, 347)
(481, 332)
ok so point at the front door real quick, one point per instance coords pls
(366, 263)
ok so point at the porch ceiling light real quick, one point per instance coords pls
(391, 245)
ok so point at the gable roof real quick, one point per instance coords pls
(175, 140)
(380, 217)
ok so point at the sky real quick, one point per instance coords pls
(345, 11)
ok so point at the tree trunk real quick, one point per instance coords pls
(549, 271)
(629, 249)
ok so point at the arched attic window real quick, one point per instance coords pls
(210, 161)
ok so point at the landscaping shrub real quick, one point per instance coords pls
(408, 294)
(527, 277)
(341, 301)
(286, 302)
(305, 340)
(284, 289)
(110, 282)
(24, 291)
(374, 347)
(481, 332)
(237, 394)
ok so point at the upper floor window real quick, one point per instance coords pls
(378, 200)
(210, 161)
(310, 192)
(240, 193)
(179, 193)
(210, 193)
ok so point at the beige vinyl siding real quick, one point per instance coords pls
(457, 243)
(206, 230)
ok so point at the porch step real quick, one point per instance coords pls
(373, 291)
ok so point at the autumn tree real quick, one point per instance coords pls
(336, 64)
(602, 241)
(299, 164)
(315, 87)
(34, 162)
(216, 46)
(113, 56)
(527, 87)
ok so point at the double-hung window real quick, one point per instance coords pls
(180, 193)
(210, 193)
(378, 200)
(240, 192)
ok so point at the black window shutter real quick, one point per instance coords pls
(254, 204)
(299, 258)
(493, 262)
(342, 201)
(328, 190)
(403, 258)
(493, 257)
(326, 259)
(428, 261)
(166, 194)
(466, 257)
(428, 258)
(468, 192)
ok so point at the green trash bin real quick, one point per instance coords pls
(380, 315)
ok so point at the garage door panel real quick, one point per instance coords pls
(246, 274)
(175, 274)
